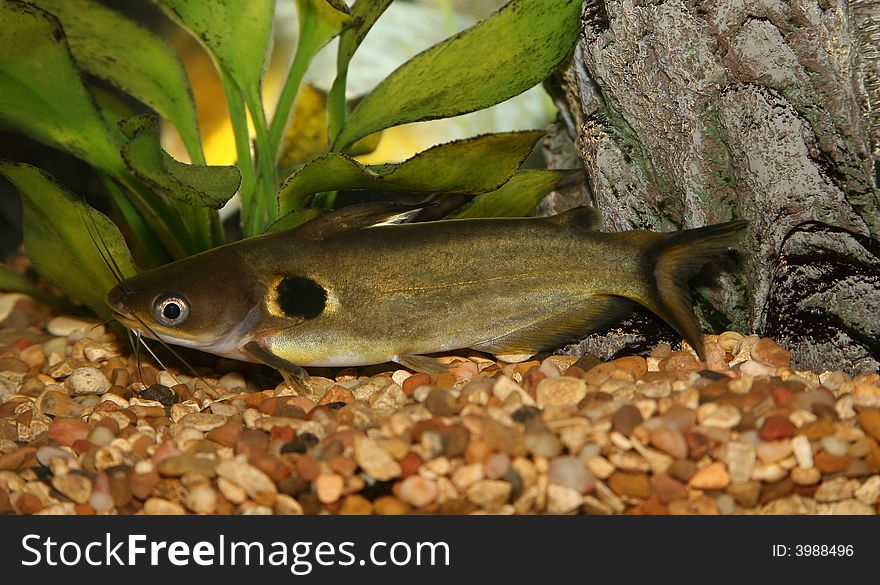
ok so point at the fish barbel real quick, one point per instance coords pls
(343, 291)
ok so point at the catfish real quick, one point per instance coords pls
(363, 286)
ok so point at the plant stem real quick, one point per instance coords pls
(150, 248)
(162, 218)
(336, 105)
(305, 51)
(238, 118)
(325, 199)
(265, 196)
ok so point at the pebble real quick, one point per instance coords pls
(869, 420)
(66, 431)
(777, 427)
(667, 488)
(543, 444)
(231, 491)
(561, 391)
(600, 467)
(805, 475)
(63, 325)
(835, 446)
(832, 490)
(28, 504)
(869, 492)
(466, 475)
(201, 499)
(390, 506)
(203, 421)
(59, 404)
(769, 472)
(329, 487)
(180, 465)
(626, 419)
(87, 380)
(853, 508)
(356, 505)
(767, 352)
(772, 451)
(803, 451)
(712, 477)
(725, 416)
(418, 491)
(831, 464)
(233, 381)
(636, 485)
(745, 494)
(726, 504)
(101, 436)
(376, 462)
(562, 499)
(253, 481)
(571, 473)
(74, 485)
(559, 436)
(669, 440)
(47, 453)
(162, 507)
(441, 402)
(101, 499)
(489, 494)
(497, 465)
(741, 457)
(680, 417)
(755, 369)
(416, 381)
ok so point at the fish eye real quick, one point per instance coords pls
(171, 310)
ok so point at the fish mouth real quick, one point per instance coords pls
(124, 318)
(115, 299)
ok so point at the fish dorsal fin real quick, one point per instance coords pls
(585, 218)
(356, 217)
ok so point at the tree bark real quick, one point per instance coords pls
(687, 113)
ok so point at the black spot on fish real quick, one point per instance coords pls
(301, 297)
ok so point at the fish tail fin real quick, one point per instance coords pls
(671, 261)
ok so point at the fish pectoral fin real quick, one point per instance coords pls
(260, 353)
(422, 364)
(559, 329)
(355, 217)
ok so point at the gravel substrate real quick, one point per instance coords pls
(82, 433)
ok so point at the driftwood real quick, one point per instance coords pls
(686, 113)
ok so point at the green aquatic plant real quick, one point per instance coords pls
(51, 51)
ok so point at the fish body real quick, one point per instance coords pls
(349, 295)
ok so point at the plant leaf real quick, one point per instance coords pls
(118, 50)
(517, 197)
(364, 14)
(473, 165)
(327, 17)
(58, 237)
(42, 93)
(496, 59)
(294, 219)
(194, 185)
(319, 22)
(306, 136)
(235, 32)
